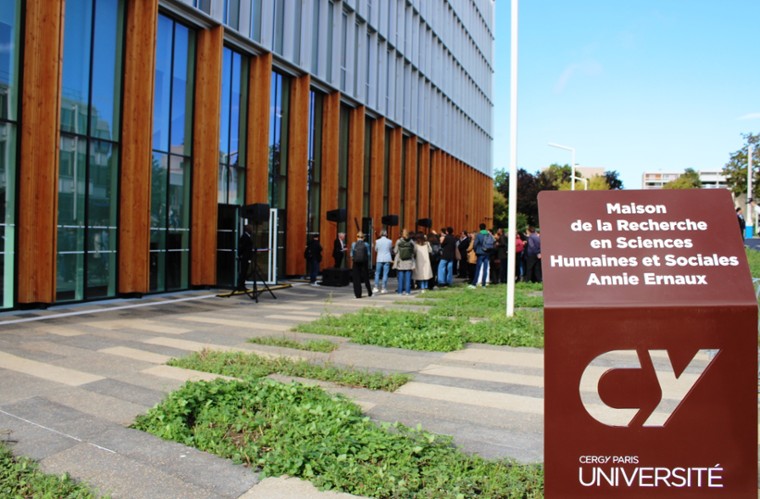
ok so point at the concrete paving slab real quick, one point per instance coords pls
(186, 463)
(129, 392)
(59, 330)
(508, 357)
(58, 419)
(102, 406)
(218, 321)
(484, 375)
(180, 374)
(30, 440)
(139, 324)
(46, 371)
(285, 487)
(136, 354)
(477, 398)
(114, 475)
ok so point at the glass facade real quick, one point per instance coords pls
(172, 156)
(234, 105)
(278, 158)
(10, 22)
(232, 154)
(316, 103)
(89, 150)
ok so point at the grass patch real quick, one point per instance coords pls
(753, 258)
(462, 301)
(419, 331)
(325, 346)
(20, 477)
(304, 432)
(249, 365)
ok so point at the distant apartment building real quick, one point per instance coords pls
(709, 179)
(134, 134)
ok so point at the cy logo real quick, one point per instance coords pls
(673, 388)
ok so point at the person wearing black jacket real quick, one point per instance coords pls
(448, 249)
(502, 253)
(464, 243)
(339, 249)
(313, 258)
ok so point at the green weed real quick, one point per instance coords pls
(20, 477)
(325, 346)
(419, 331)
(250, 365)
(305, 432)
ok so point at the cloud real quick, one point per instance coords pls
(589, 67)
(749, 116)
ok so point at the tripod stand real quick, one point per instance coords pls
(254, 273)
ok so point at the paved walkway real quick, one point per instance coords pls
(75, 377)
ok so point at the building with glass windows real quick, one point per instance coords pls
(134, 132)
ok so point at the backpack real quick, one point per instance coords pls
(488, 243)
(405, 250)
(360, 252)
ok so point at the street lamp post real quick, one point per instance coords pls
(749, 217)
(572, 162)
(584, 180)
(512, 236)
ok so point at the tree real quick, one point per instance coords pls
(736, 168)
(500, 208)
(550, 179)
(613, 180)
(689, 179)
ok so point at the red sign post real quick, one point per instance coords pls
(651, 346)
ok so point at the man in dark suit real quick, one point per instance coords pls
(339, 249)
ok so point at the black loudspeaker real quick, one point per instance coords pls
(425, 222)
(336, 277)
(391, 220)
(338, 215)
(256, 213)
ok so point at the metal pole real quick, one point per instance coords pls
(749, 215)
(572, 172)
(512, 225)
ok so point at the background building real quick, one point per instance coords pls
(709, 179)
(132, 133)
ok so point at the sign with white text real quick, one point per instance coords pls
(651, 346)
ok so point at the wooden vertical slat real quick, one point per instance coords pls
(489, 196)
(424, 181)
(38, 158)
(330, 147)
(377, 172)
(445, 191)
(136, 145)
(410, 183)
(394, 172)
(208, 88)
(257, 160)
(435, 194)
(355, 203)
(459, 209)
(298, 175)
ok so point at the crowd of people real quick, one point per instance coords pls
(423, 261)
